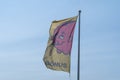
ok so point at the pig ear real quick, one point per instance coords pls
(56, 31)
(58, 28)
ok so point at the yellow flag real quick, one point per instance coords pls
(57, 54)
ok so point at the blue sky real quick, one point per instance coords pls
(24, 31)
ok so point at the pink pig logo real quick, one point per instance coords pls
(63, 36)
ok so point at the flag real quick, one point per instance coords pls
(58, 51)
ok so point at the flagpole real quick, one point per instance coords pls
(78, 70)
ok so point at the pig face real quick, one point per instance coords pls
(63, 36)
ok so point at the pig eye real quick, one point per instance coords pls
(61, 37)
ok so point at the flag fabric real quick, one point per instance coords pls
(58, 51)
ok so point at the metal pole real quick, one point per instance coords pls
(78, 70)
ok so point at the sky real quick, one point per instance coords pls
(24, 32)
